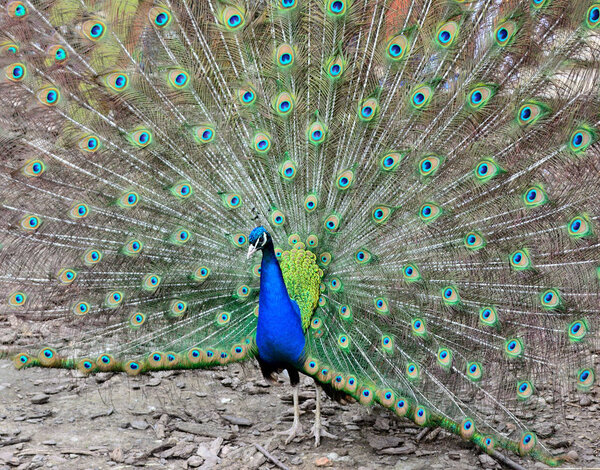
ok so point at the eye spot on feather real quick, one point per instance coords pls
(17, 299)
(94, 30)
(585, 379)
(524, 390)
(159, 17)
(17, 10)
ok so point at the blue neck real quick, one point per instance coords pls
(279, 336)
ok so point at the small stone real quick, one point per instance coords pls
(153, 382)
(296, 461)
(140, 425)
(572, 455)
(40, 399)
(487, 462)
(195, 461)
(237, 420)
(49, 443)
(226, 382)
(585, 401)
(404, 450)
(382, 442)
(117, 455)
(454, 455)
(323, 462)
(180, 385)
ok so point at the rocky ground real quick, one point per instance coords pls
(216, 419)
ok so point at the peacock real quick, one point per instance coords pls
(397, 198)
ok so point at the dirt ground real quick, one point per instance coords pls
(215, 418)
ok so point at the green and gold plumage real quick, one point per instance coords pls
(432, 163)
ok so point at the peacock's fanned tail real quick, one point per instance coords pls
(439, 157)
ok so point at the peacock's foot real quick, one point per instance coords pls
(319, 431)
(293, 432)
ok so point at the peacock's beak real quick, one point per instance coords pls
(251, 250)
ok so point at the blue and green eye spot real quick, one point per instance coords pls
(132, 247)
(480, 95)
(222, 318)
(136, 320)
(474, 241)
(178, 78)
(150, 282)
(79, 211)
(128, 200)
(520, 260)
(421, 96)
(387, 344)
(593, 16)
(204, 133)
(181, 190)
(550, 299)
(316, 133)
(446, 34)
(17, 299)
(474, 371)
(285, 56)
(581, 138)
(486, 170)
(577, 330)
(450, 296)
(531, 112)
(397, 48)
(66, 276)
(368, 109)
(94, 30)
(246, 95)
(232, 200)
(15, 72)
(332, 223)
(261, 143)
(335, 67)
(287, 5)
(428, 212)
(49, 96)
(418, 327)
(345, 312)
(429, 165)
(444, 358)
(524, 390)
(287, 170)
(337, 8)
(34, 168)
(381, 306)
(527, 442)
(344, 180)
(488, 316)
(505, 32)
(17, 10)
(30, 223)
(513, 348)
(467, 428)
(177, 308)
(80, 308)
(390, 161)
(117, 81)
(89, 143)
(277, 217)
(201, 274)
(311, 202)
(283, 104)
(411, 273)
(232, 18)
(585, 379)
(535, 196)
(180, 237)
(159, 17)
(580, 226)
(141, 138)
(363, 256)
(92, 256)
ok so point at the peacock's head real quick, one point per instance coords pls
(258, 239)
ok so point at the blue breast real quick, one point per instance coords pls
(279, 336)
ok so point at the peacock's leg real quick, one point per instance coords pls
(318, 430)
(296, 429)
